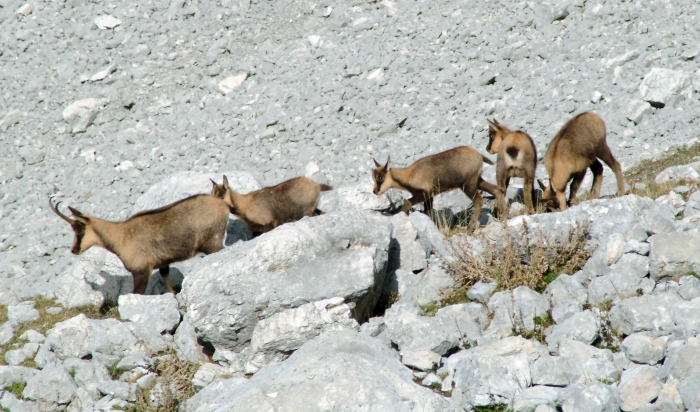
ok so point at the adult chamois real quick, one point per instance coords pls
(517, 157)
(577, 146)
(267, 208)
(458, 168)
(154, 238)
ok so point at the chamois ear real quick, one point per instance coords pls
(388, 159)
(78, 214)
(491, 122)
(212, 181)
(225, 183)
(376, 162)
(542, 186)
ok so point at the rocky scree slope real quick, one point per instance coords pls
(99, 101)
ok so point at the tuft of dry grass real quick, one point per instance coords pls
(175, 384)
(646, 171)
(48, 320)
(511, 266)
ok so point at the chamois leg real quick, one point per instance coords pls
(501, 206)
(527, 194)
(597, 170)
(477, 201)
(417, 197)
(165, 274)
(612, 163)
(574, 186)
(317, 212)
(493, 190)
(428, 206)
(141, 280)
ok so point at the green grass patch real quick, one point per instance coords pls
(48, 320)
(16, 388)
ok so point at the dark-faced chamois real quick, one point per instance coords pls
(517, 157)
(458, 168)
(154, 238)
(267, 208)
(577, 146)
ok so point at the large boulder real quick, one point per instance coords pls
(333, 255)
(674, 254)
(662, 87)
(339, 370)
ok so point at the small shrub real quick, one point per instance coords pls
(541, 325)
(607, 337)
(535, 267)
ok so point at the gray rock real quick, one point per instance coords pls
(32, 336)
(422, 360)
(359, 371)
(644, 313)
(679, 362)
(644, 347)
(287, 330)
(186, 340)
(22, 313)
(131, 362)
(423, 288)
(449, 327)
(527, 305)
(582, 327)
(98, 277)
(530, 398)
(565, 310)
(159, 313)
(360, 196)
(634, 246)
(614, 248)
(637, 110)
(689, 390)
(68, 339)
(623, 280)
(209, 373)
(10, 402)
(87, 374)
(52, 385)
(105, 21)
(663, 86)
(673, 173)
(17, 356)
(492, 374)
(689, 287)
(594, 397)
(11, 374)
(80, 114)
(409, 249)
(118, 389)
(501, 306)
(673, 254)
(209, 394)
(638, 386)
(333, 255)
(686, 316)
(692, 206)
(482, 291)
(573, 367)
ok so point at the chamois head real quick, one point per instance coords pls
(219, 190)
(496, 134)
(382, 177)
(549, 196)
(85, 236)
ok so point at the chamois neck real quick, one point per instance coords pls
(400, 177)
(108, 234)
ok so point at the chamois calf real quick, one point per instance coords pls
(154, 238)
(517, 157)
(577, 146)
(458, 168)
(267, 208)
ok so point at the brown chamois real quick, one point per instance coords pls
(458, 168)
(517, 157)
(154, 238)
(577, 146)
(267, 208)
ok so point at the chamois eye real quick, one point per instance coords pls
(380, 178)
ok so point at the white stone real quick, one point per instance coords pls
(102, 74)
(638, 386)
(662, 86)
(106, 21)
(232, 83)
(25, 10)
(421, 359)
(614, 248)
(158, 312)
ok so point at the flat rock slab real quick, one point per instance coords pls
(160, 312)
(674, 254)
(339, 370)
(340, 254)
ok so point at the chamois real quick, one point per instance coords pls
(576, 147)
(517, 157)
(267, 208)
(154, 238)
(458, 168)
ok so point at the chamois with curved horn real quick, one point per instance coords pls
(517, 157)
(265, 209)
(458, 168)
(153, 239)
(577, 146)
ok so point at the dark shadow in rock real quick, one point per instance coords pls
(156, 286)
(236, 230)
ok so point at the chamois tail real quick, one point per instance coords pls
(487, 160)
(512, 152)
(325, 188)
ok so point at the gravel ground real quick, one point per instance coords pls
(99, 100)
